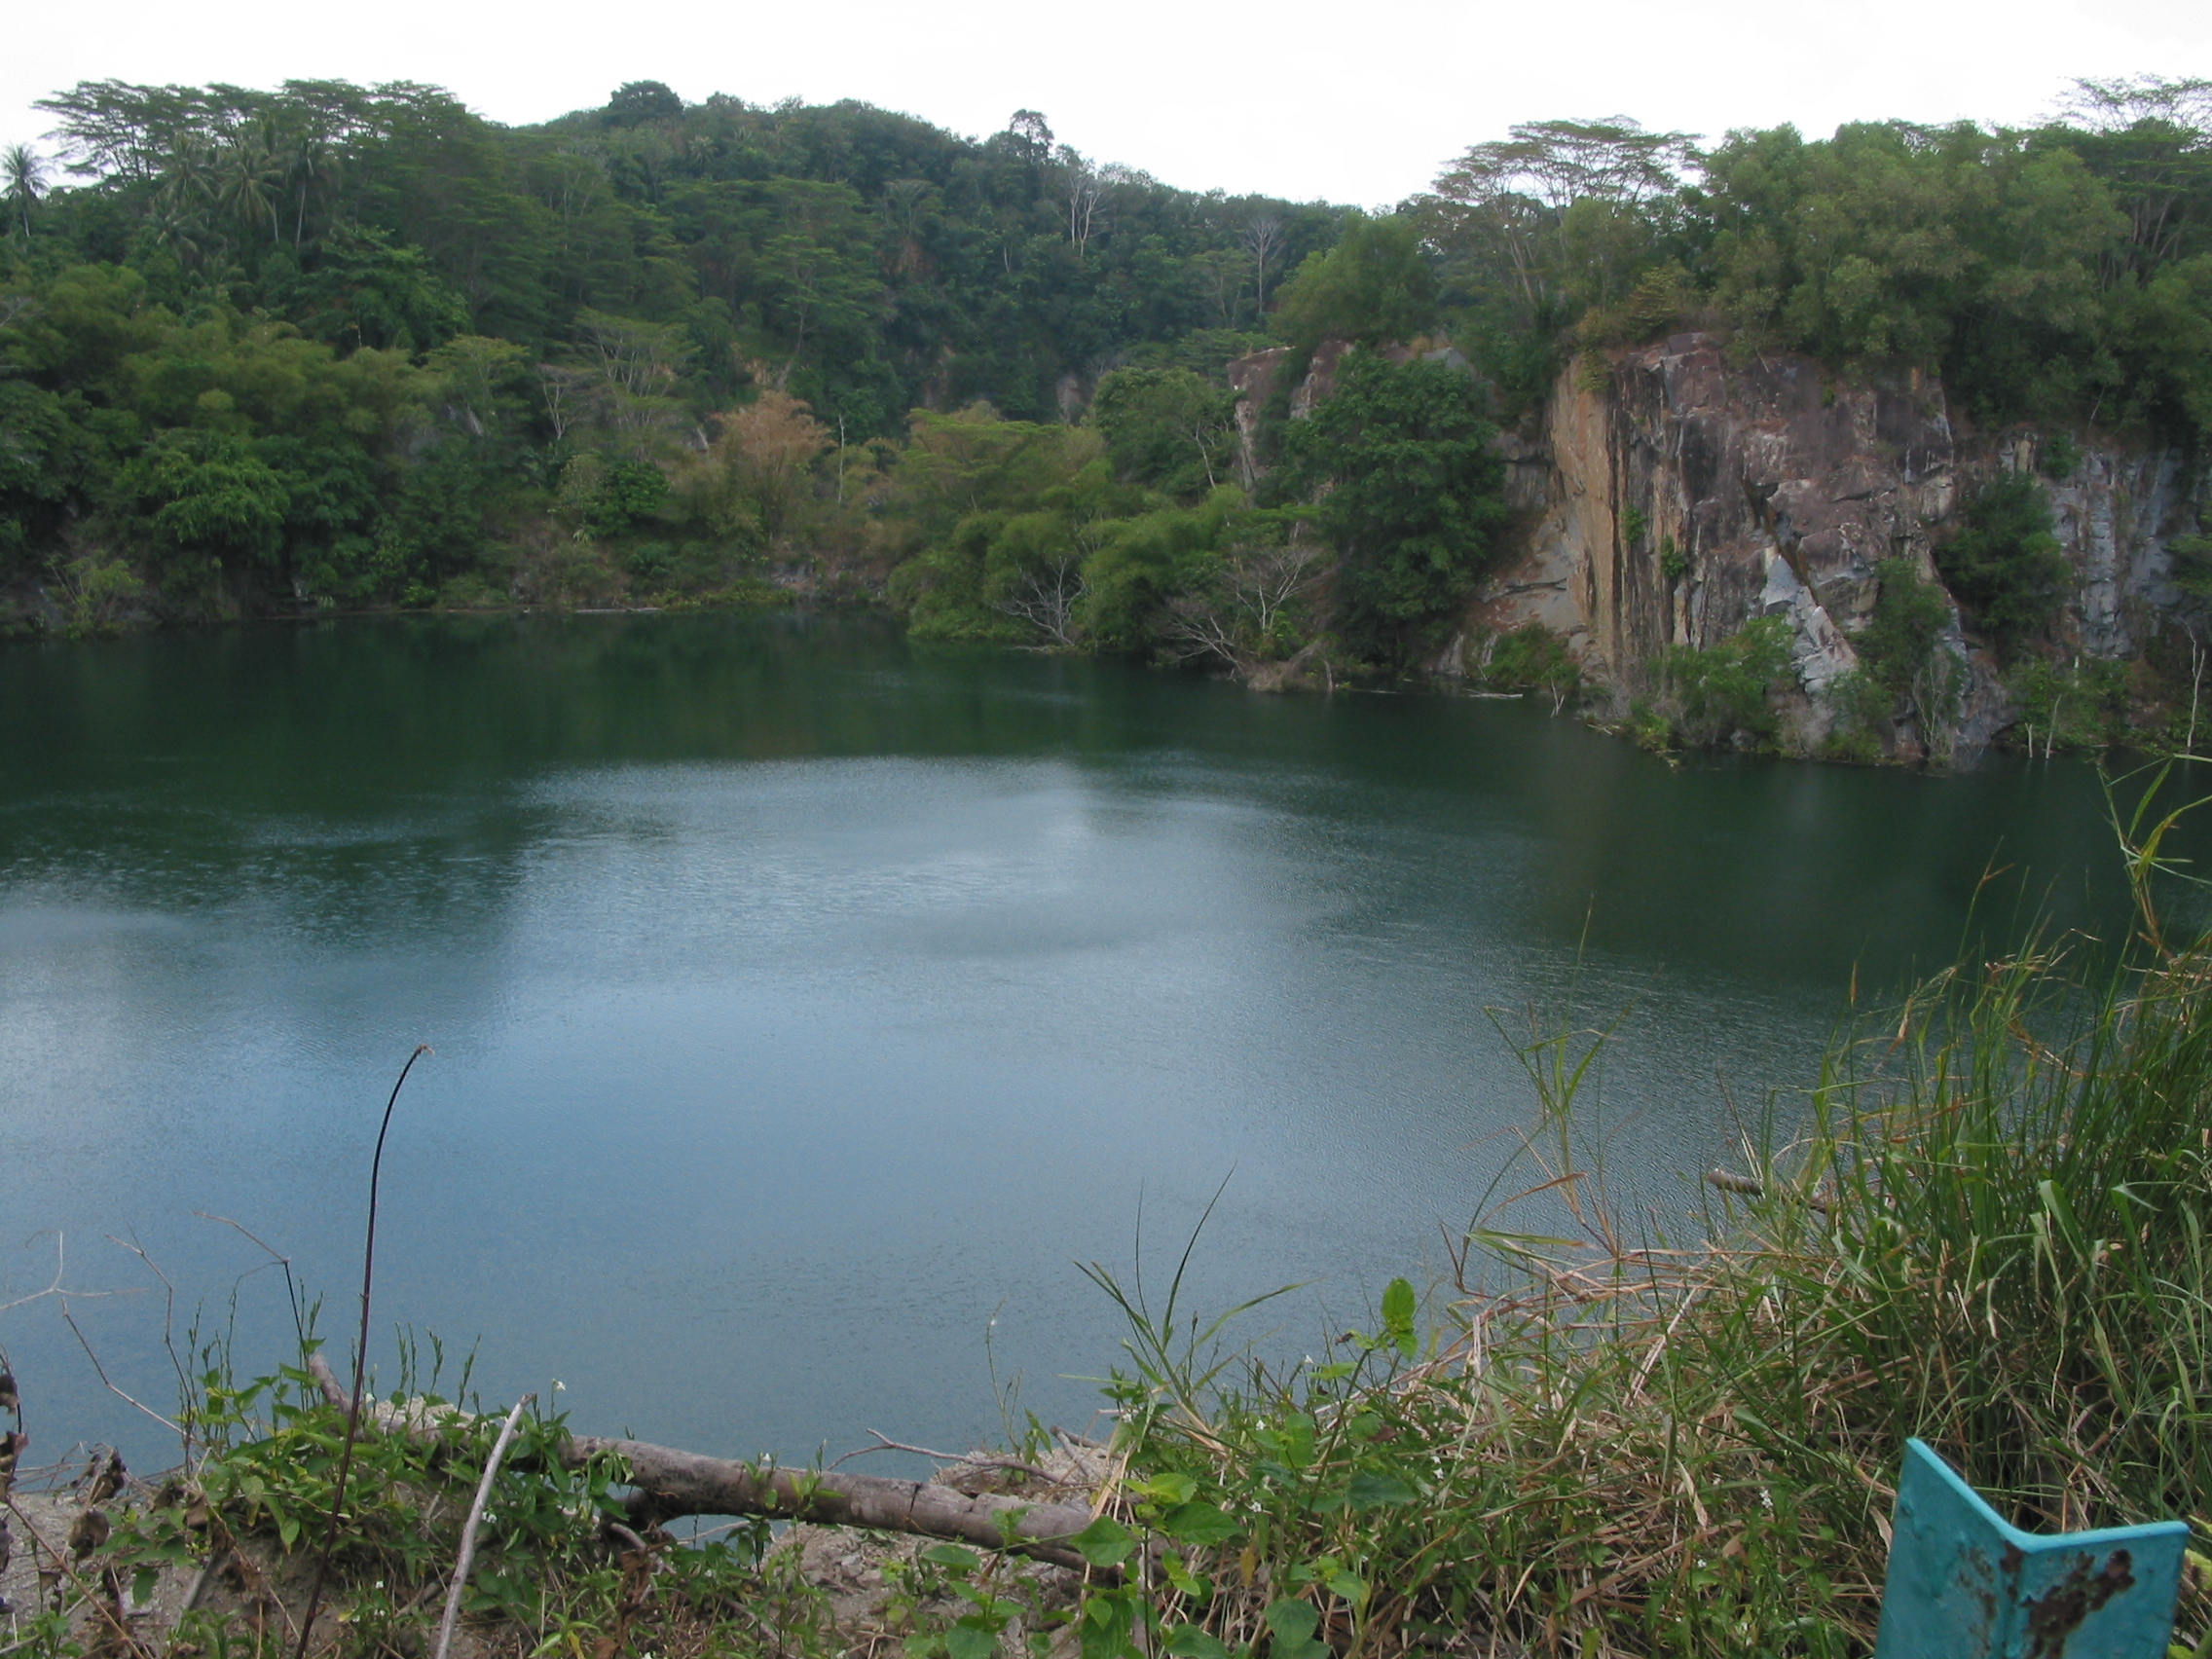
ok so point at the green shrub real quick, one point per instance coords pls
(1535, 658)
(2003, 564)
(746, 593)
(205, 497)
(1859, 703)
(95, 591)
(1721, 694)
(1167, 429)
(1902, 651)
(1852, 747)
(1374, 285)
(2081, 707)
(1648, 728)
(2191, 563)
(469, 591)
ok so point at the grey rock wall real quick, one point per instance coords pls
(1669, 495)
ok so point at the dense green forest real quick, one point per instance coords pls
(335, 347)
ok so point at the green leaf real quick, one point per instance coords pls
(1399, 1304)
(1199, 1524)
(964, 1640)
(288, 1528)
(953, 1556)
(1370, 1489)
(1350, 1586)
(1186, 1582)
(1170, 1489)
(1295, 1624)
(1109, 1620)
(1291, 1439)
(1188, 1641)
(1292, 1620)
(1105, 1542)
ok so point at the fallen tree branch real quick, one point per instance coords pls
(670, 1483)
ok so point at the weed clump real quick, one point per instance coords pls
(1535, 658)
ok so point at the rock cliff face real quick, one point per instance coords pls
(1669, 495)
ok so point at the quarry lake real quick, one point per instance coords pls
(806, 1003)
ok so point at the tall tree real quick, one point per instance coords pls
(23, 173)
(1410, 490)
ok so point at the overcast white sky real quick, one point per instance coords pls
(1356, 102)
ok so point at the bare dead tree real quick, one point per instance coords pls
(565, 390)
(1207, 424)
(1233, 621)
(1047, 599)
(1220, 275)
(1196, 627)
(1089, 188)
(1268, 580)
(1263, 240)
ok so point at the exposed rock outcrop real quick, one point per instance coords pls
(1669, 493)
(1665, 495)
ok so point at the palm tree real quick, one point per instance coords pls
(182, 199)
(23, 174)
(180, 232)
(314, 165)
(254, 170)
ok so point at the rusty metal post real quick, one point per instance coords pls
(1964, 1585)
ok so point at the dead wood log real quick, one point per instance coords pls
(670, 1483)
(1820, 1199)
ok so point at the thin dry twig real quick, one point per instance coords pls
(61, 1270)
(476, 1520)
(168, 1329)
(69, 1319)
(973, 1459)
(277, 1258)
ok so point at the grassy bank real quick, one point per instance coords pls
(1993, 1236)
(1990, 1228)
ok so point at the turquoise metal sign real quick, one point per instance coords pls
(1964, 1585)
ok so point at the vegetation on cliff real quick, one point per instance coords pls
(2061, 272)
(335, 346)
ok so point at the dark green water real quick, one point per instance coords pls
(803, 1000)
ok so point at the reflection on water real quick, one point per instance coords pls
(804, 999)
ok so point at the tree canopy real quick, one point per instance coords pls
(336, 345)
